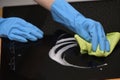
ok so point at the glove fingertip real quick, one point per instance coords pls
(94, 44)
(41, 32)
(24, 41)
(94, 48)
(21, 40)
(107, 46)
(41, 36)
(18, 39)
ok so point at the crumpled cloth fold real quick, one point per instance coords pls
(86, 47)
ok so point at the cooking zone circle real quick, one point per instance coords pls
(67, 53)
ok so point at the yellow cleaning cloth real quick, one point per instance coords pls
(86, 47)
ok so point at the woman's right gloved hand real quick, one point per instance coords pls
(19, 30)
(90, 30)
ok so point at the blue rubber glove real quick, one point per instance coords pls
(90, 30)
(19, 30)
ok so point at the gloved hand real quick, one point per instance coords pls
(90, 30)
(19, 30)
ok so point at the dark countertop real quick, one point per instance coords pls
(33, 63)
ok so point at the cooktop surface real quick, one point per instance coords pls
(31, 61)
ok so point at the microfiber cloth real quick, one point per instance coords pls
(86, 47)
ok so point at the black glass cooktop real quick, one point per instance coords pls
(30, 61)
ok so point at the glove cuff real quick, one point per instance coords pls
(1, 19)
(64, 13)
(4, 29)
(1, 27)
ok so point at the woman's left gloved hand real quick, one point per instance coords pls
(19, 30)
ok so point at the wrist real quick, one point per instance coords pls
(45, 3)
